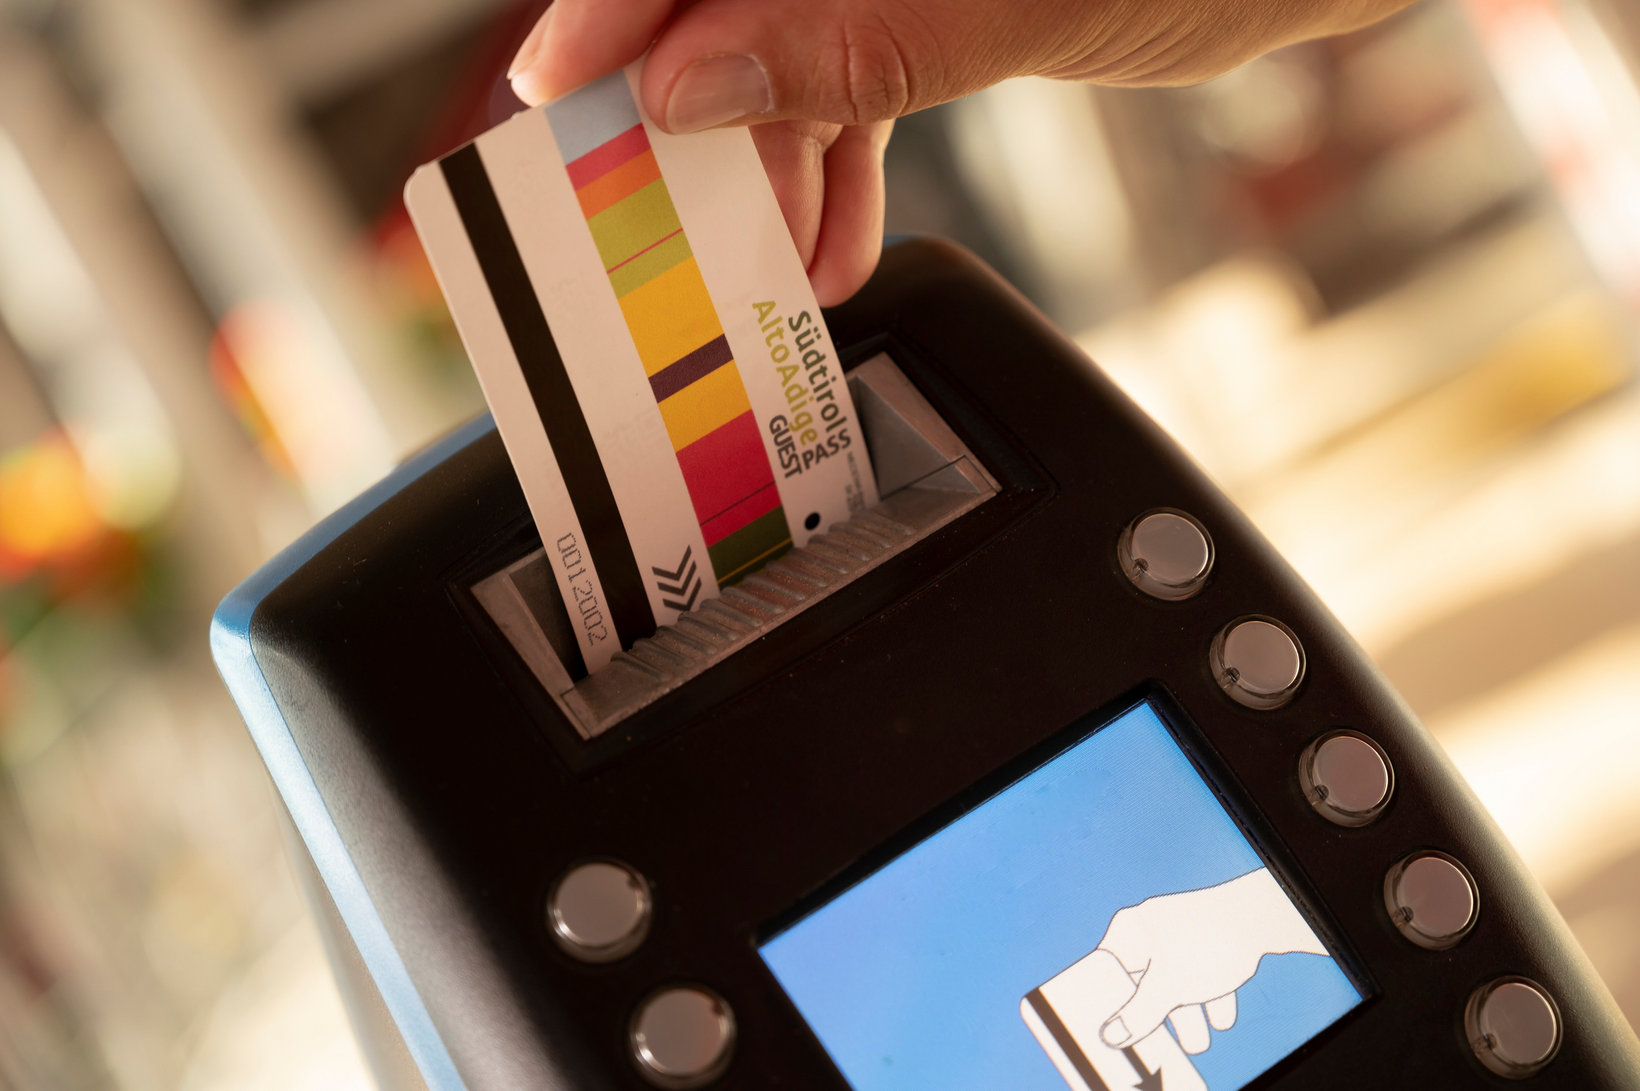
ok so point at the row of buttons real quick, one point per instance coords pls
(681, 1036)
(1511, 1023)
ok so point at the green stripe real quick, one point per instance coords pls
(750, 548)
(651, 264)
(637, 220)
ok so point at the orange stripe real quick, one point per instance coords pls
(623, 181)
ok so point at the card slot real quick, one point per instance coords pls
(941, 480)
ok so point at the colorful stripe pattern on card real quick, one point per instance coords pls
(674, 325)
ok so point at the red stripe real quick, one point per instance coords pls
(758, 504)
(642, 252)
(724, 467)
(607, 156)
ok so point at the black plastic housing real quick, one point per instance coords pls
(460, 793)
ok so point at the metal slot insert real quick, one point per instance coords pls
(926, 477)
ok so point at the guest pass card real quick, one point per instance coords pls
(647, 339)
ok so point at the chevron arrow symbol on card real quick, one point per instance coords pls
(682, 582)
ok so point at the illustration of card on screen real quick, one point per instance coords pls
(1066, 1013)
(647, 339)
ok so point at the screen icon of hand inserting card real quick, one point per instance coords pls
(1066, 1015)
(1176, 959)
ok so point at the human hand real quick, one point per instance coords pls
(1191, 951)
(820, 81)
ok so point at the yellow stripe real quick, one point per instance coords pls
(670, 316)
(635, 221)
(706, 404)
(646, 266)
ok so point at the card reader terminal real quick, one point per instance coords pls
(1045, 772)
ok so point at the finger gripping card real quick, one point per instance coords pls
(1067, 1015)
(647, 339)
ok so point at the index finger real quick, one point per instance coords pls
(578, 41)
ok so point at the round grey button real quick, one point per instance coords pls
(1258, 662)
(1346, 778)
(599, 910)
(1166, 554)
(683, 1036)
(1513, 1026)
(1431, 899)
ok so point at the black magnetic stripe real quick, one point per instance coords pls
(686, 369)
(550, 389)
(1061, 1035)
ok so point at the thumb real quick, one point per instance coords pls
(720, 62)
(1141, 1015)
(850, 61)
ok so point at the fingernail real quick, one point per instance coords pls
(716, 90)
(532, 45)
(1115, 1033)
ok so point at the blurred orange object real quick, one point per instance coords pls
(50, 526)
(47, 513)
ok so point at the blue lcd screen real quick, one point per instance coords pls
(1101, 924)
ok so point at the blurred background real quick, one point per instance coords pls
(1385, 288)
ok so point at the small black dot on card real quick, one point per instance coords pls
(812, 521)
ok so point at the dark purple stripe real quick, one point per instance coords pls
(686, 369)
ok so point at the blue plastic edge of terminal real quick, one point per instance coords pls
(235, 657)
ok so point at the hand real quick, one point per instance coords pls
(821, 81)
(1190, 952)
